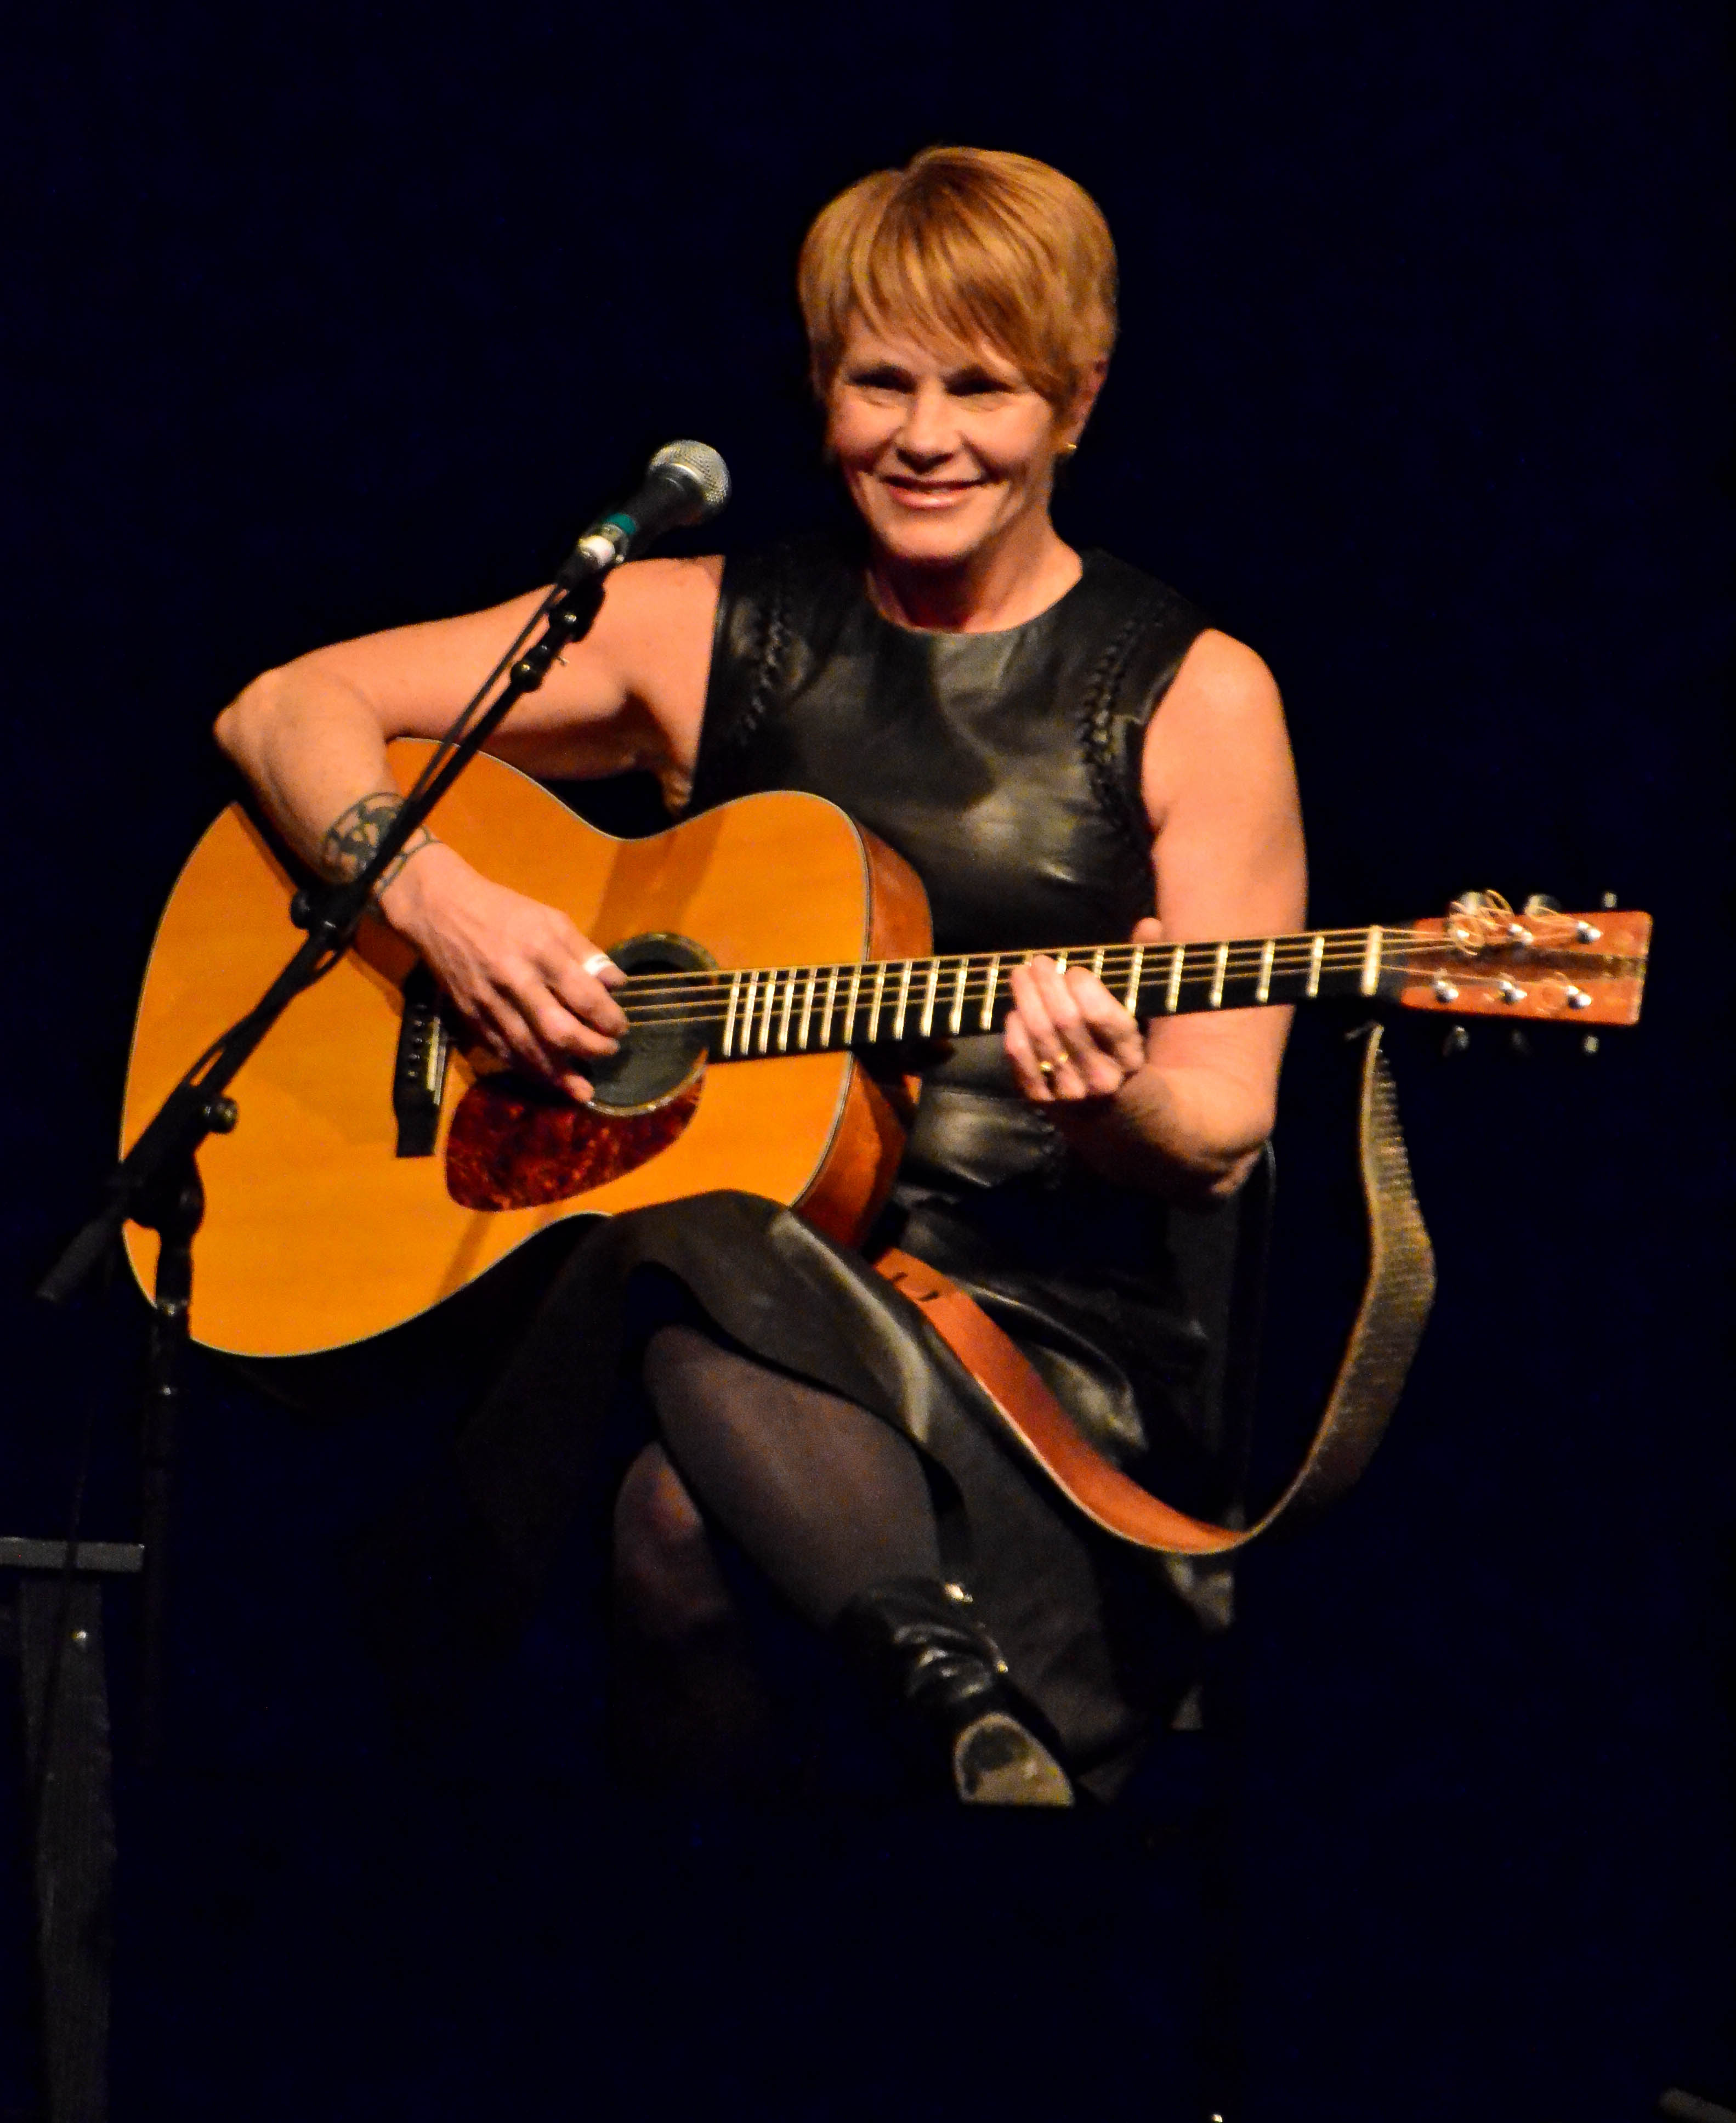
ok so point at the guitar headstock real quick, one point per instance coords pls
(1482, 959)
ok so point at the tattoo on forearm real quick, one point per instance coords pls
(352, 838)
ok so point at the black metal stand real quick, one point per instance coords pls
(175, 1210)
(54, 1630)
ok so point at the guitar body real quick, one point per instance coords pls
(319, 1233)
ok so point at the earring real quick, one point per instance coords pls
(1068, 450)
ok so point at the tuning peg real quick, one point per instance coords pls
(1609, 900)
(1457, 1039)
(1520, 1042)
(1590, 1043)
(1539, 903)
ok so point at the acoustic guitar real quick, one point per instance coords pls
(781, 981)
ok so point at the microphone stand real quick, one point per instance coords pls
(157, 1184)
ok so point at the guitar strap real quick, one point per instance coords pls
(1396, 1299)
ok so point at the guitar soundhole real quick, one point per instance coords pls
(517, 1145)
(666, 1044)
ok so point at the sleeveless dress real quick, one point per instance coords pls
(1005, 768)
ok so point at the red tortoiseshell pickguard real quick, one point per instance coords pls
(516, 1145)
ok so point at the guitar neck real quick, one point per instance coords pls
(813, 1010)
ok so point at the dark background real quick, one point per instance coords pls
(316, 323)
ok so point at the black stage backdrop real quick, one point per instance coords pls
(320, 320)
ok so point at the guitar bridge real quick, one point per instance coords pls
(418, 1076)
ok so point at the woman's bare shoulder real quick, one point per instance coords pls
(1222, 675)
(1222, 719)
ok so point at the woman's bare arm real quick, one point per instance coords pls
(311, 739)
(1185, 1111)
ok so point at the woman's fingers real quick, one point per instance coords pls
(511, 1036)
(540, 991)
(536, 988)
(1037, 1052)
(1026, 1068)
(1068, 1038)
(579, 977)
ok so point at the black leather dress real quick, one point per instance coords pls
(1005, 768)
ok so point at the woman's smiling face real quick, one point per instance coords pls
(947, 450)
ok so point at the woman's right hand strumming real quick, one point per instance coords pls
(534, 987)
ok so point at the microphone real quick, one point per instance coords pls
(685, 483)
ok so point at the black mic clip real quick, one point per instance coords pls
(685, 483)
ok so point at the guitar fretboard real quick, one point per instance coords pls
(813, 1010)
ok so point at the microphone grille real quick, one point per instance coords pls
(704, 466)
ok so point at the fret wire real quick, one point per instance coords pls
(1097, 962)
(1220, 966)
(873, 1023)
(789, 1004)
(926, 1029)
(988, 1014)
(771, 1001)
(729, 1019)
(1173, 993)
(849, 1015)
(747, 1011)
(904, 997)
(1316, 955)
(1371, 963)
(831, 991)
(1130, 1000)
(956, 1018)
(1267, 956)
(807, 1010)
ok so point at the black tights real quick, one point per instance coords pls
(825, 1499)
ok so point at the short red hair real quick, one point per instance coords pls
(974, 243)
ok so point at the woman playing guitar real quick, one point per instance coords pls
(984, 699)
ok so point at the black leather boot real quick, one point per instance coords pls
(920, 1636)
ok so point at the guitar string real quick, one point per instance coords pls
(715, 995)
(1200, 962)
(1301, 938)
(1116, 958)
(950, 995)
(1340, 946)
(789, 987)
